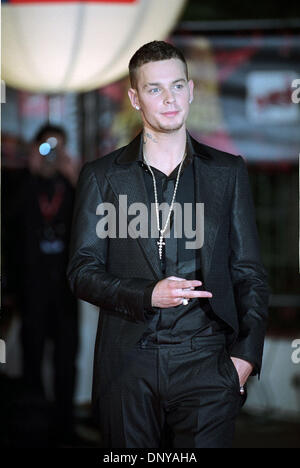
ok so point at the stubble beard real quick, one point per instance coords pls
(170, 128)
(158, 126)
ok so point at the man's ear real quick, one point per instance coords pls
(132, 93)
(191, 90)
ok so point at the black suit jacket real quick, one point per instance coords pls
(113, 273)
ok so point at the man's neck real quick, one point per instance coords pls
(164, 150)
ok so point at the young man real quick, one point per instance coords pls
(180, 328)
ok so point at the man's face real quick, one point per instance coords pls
(163, 94)
(48, 165)
(59, 144)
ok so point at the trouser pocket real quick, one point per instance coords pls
(232, 373)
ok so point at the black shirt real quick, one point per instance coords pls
(180, 323)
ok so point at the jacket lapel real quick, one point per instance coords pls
(127, 179)
(210, 185)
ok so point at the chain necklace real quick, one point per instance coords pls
(161, 242)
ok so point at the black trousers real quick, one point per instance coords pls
(173, 396)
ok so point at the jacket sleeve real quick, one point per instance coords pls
(248, 275)
(86, 272)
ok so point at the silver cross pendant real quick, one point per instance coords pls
(160, 244)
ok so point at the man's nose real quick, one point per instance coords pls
(169, 97)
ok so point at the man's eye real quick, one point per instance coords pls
(154, 90)
(178, 86)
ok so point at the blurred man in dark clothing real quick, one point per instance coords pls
(44, 204)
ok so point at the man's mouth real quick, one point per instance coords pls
(170, 113)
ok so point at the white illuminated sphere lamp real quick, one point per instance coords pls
(56, 46)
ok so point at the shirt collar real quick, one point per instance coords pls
(173, 175)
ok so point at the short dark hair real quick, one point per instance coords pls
(153, 52)
(49, 128)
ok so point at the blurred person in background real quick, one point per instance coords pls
(42, 221)
(14, 151)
